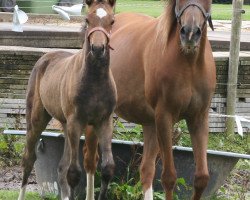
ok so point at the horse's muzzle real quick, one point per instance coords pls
(190, 38)
(99, 39)
(98, 50)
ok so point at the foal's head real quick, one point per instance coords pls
(192, 16)
(99, 21)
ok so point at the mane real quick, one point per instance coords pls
(82, 32)
(166, 22)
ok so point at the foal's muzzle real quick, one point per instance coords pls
(100, 44)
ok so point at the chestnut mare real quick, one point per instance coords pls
(79, 91)
(164, 72)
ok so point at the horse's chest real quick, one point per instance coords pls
(96, 107)
(187, 97)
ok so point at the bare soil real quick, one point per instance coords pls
(11, 179)
(237, 185)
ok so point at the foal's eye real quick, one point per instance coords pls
(112, 22)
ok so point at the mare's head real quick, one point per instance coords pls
(192, 16)
(99, 21)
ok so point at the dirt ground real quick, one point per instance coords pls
(11, 179)
(237, 185)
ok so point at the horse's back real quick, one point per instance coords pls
(46, 79)
(49, 60)
(124, 19)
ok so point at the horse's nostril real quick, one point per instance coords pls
(98, 49)
(198, 32)
(190, 34)
(183, 32)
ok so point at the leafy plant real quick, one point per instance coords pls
(10, 149)
(122, 132)
(125, 191)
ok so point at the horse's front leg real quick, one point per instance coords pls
(91, 158)
(147, 168)
(198, 128)
(164, 125)
(74, 131)
(104, 134)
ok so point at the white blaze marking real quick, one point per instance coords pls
(22, 193)
(100, 12)
(149, 194)
(90, 187)
(66, 198)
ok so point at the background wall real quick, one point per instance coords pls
(16, 66)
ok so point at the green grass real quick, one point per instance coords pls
(155, 8)
(217, 141)
(13, 195)
(225, 12)
(152, 8)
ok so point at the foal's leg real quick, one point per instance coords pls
(63, 168)
(164, 126)
(91, 158)
(74, 132)
(104, 134)
(147, 169)
(37, 119)
(198, 128)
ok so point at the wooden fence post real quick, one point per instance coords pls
(233, 65)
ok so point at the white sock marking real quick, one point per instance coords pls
(22, 193)
(100, 12)
(149, 194)
(90, 187)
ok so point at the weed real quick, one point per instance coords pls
(134, 133)
(10, 149)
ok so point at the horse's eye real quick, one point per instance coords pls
(112, 22)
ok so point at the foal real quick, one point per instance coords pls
(79, 91)
(164, 72)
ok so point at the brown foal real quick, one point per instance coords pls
(79, 91)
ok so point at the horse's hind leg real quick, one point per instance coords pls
(91, 158)
(147, 168)
(63, 168)
(198, 128)
(105, 133)
(37, 119)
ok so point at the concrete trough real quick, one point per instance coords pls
(126, 153)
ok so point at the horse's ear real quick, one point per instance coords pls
(89, 2)
(112, 2)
